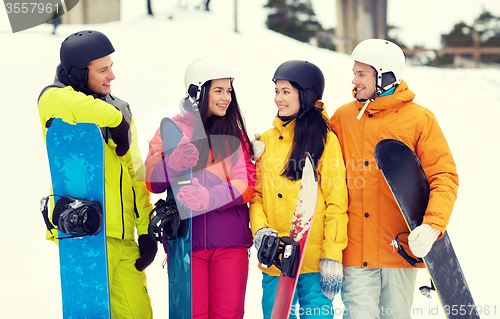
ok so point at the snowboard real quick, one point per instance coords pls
(179, 249)
(299, 232)
(76, 160)
(406, 178)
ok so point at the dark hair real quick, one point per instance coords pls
(231, 124)
(311, 132)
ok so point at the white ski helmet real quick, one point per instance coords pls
(203, 70)
(385, 57)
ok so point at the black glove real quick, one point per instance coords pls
(120, 134)
(147, 249)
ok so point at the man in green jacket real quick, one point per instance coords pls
(81, 93)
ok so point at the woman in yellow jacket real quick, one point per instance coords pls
(378, 282)
(302, 125)
(81, 94)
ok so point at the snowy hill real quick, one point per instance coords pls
(151, 56)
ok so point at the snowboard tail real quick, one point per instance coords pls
(76, 160)
(406, 178)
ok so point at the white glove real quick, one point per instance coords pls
(331, 277)
(421, 239)
(258, 147)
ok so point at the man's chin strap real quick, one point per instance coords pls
(360, 114)
(366, 101)
(380, 91)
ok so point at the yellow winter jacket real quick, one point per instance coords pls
(275, 197)
(374, 217)
(127, 199)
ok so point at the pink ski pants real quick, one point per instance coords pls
(219, 278)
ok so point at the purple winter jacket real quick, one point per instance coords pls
(230, 183)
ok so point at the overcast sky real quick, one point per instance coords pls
(421, 22)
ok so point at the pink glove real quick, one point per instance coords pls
(184, 156)
(194, 196)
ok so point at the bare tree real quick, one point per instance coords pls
(359, 20)
(150, 9)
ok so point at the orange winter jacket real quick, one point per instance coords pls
(374, 217)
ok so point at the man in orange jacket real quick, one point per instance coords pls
(378, 282)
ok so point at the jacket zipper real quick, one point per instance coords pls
(136, 211)
(121, 199)
(204, 218)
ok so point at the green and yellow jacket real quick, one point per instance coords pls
(127, 198)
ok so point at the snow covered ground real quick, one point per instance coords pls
(151, 56)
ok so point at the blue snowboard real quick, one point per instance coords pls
(76, 159)
(406, 178)
(179, 250)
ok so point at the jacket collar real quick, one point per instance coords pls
(402, 95)
(61, 81)
(288, 130)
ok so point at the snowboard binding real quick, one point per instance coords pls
(165, 222)
(282, 252)
(397, 245)
(268, 249)
(426, 290)
(75, 217)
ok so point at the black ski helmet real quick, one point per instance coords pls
(78, 50)
(307, 76)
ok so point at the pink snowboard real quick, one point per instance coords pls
(299, 231)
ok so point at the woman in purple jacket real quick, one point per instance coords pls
(217, 148)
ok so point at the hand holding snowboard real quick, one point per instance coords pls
(120, 136)
(421, 239)
(184, 156)
(195, 196)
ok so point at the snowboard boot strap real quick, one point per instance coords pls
(45, 213)
(165, 222)
(289, 251)
(401, 251)
(282, 252)
(73, 216)
(79, 217)
(426, 290)
(268, 250)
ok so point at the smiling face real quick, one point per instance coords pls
(364, 80)
(101, 75)
(286, 98)
(219, 97)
